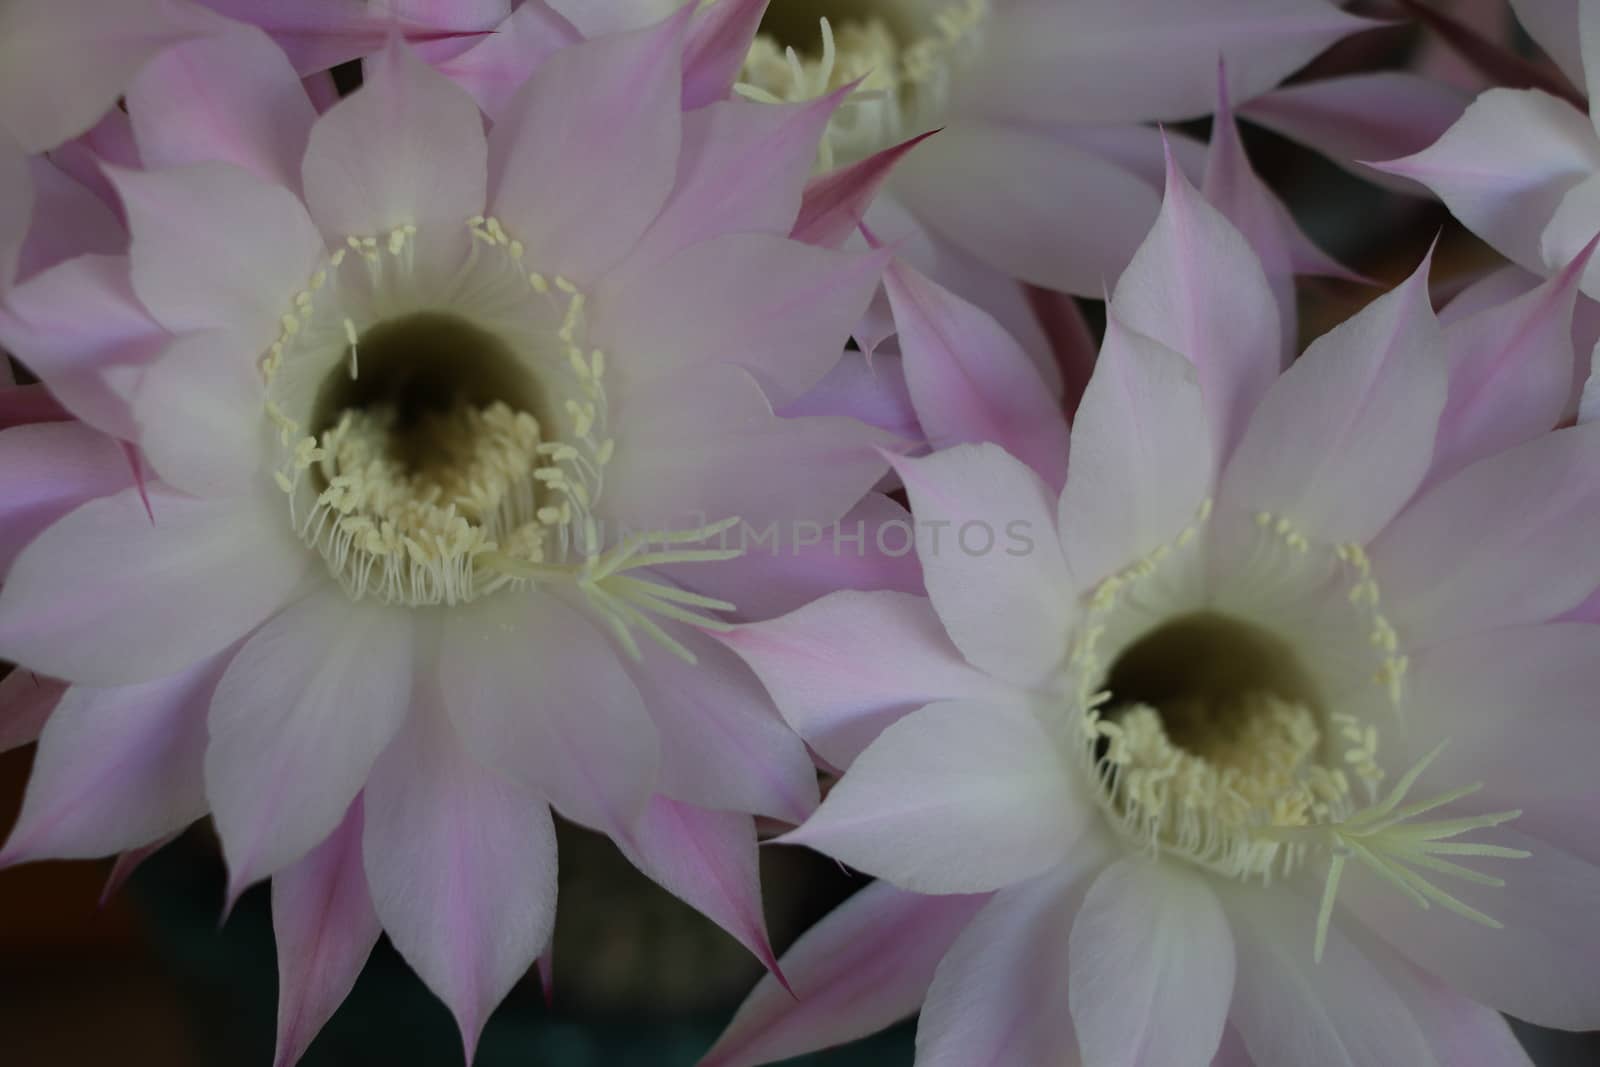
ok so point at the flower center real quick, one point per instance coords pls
(904, 53)
(1237, 722)
(442, 433)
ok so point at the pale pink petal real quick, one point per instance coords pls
(865, 966)
(1018, 225)
(462, 866)
(1553, 24)
(230, 97)
(26, 701)
(194, 406)
(991, 557)
(1141, 457)
(1460, 1031)
(116, 768)
(708, 860)
(1356, 118)
(585, 156)
(1573, 228)
(46, 470)
(1338, 1011)
(1196, 287)
(1000, 996)
(1151, 962)
(869, 548)
(406, 149)
(782, 308)
(596, 17)
(297, 721)
(318, 34)
(539, 691)
(128, 862)
(1589, 46)
(1504, 168)
(834, 204)
(1342, 440)
(70, 219)
(742, 168)
(16, 207)
(107, 46)
(869, 388)
(845, 667)
(723, 745)
(214, 246)
(719, 40)
(1140, 150)
(72, 322)
(1533, 755)
(1539, 966)
(1511, 373)
(108, 597)
(708, 446)
(969, 380)
(325, 927)
(1505, 541)
(1499, 285)
(1070, 343)
(1137, 60)
(960, 797)
(494, 68)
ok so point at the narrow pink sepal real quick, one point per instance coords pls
(865, 966)
(718, 40)
(835, 204)
(26, 701)
(325, 926)
(136, 466)
(128, 862)
(707, 859)
(970, 381)
(546, 966)
(1072, 343)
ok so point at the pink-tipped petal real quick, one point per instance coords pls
(461, 862)
(991, 557)
(106, 597)
(1342, 440)
(1152, 964)
(1353, 118)
(723, 745)
(586, 155)
(325, 927)
(1196, 287)
(781, 308)
(229, 97)
(719, 39)
(1141, 457)
(969, 380)
(871, 388)
(1511, 373)
(1573, 228)
(406, 149)
(1291, 1008)
(835, 203)
(16, 207)
(1000, 995)
(129, 862)
(216, 247)
(538, 690)
(708, 860)
(962, 796)
(1503, 542)
(742, 169)
(847, 666)
(116, 768)
(297, 721)
(1018, 225)
(70, 219)
(493, 69)
(1505, 167)
(865, 966)
(26, 701)
(47, 470)
(73, 322)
